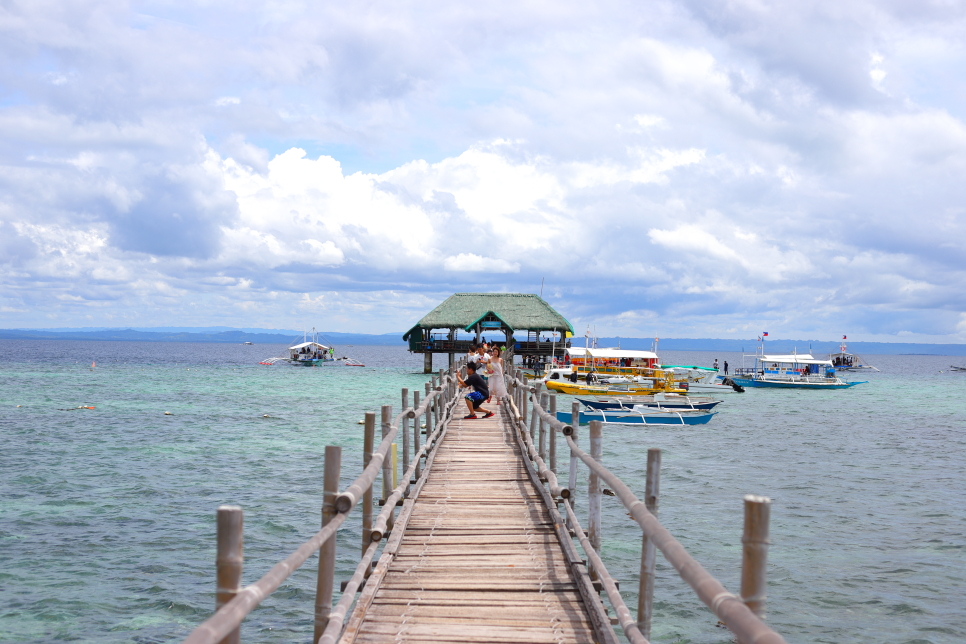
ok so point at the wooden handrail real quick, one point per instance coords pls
(728, 607)
(627, 622)
(230, 616)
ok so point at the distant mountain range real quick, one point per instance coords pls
(258, 336)
(284, 336)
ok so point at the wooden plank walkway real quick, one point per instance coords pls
(477, 555)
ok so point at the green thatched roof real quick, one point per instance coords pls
(519, 311)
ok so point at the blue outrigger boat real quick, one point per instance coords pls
(658, 401)
(791, 371)
(640, 416)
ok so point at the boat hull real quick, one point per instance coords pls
(683, 417)
(308, 363)
(773, 384)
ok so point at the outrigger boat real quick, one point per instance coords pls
(790, 371)
(845, 361)
(658, 401)
(953, 367)
(640, 415)
(308, 353)
(610, 372)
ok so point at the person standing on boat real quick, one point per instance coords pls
(494, 371)
(476, 397)
(715, 364)
(726, 367)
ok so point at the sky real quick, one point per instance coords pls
(699, 168)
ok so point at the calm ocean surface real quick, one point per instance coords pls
(107, 515)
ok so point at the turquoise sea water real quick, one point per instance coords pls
(107, 515)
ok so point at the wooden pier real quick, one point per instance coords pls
(485, 546)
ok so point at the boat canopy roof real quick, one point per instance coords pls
(801, 358)
(580, 352)
(309, 344)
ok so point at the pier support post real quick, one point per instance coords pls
(594, 491)
(405, 431)
(754, 560)
(323, 591)
(387, 473)
(553, 435)
(645, 595)
(575, 423)
(229, 560)
(427, 362)
(368, 441)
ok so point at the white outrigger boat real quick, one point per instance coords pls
(845, 361)
(308, 353)
(790, 371)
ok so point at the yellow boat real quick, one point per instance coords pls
(665, 384)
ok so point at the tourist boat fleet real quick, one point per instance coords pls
(632, 387)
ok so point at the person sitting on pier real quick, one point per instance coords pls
(480, 391)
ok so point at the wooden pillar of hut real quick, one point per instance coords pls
(428, 362)
(452, 356)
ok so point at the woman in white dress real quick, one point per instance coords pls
(494, 372)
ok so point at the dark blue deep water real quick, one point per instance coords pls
(107, 515)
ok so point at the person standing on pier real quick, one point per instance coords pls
(479, 393)
(494, 371)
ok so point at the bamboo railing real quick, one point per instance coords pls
(740, 614)
(233, 603)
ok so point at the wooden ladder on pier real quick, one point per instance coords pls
(479, 554)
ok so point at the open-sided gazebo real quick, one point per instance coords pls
(495, 316)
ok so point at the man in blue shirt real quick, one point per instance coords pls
(479, 392)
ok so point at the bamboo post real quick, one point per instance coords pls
(230, 522)
(523, 403)
(553, 435)
(431, 417)
(575, 423)
(544, 398)
(405, 431)
(323, 592)
(645, 595)
(533, 418)
(416, 430)
(594, 491)
(367, 446)
(754, 560)
(387, 473)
